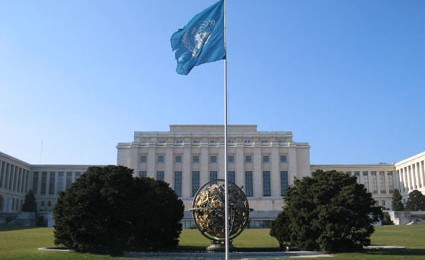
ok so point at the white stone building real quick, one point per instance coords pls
(411, 175)
(15, 180)
(188, 156)
(46, 181)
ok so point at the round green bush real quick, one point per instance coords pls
(108, 211)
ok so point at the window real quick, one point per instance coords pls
(12, 169)
(143, 174)
(2, 173)
(357, 175)
(195, 182)
(374, 182)
(178, 183)
(231, 159)
(77, 175)
(35, 182)
(161, 158)
(382, 185)
(231, 176)
(178, 158)
(266, 159)
(15, 179)
(160, 175)
(212, 142)
(248, 158)
(266, 184)
(143, 159)
(283, 182)
(213, 159)
(178, 142)
(213, 175)
(195, 159)
(43, 183)
(195, 142)
(247, 142)
(366, 180)
(52, 183)
(249, 187)
(390, 182)
(283, 159)
(60, 182)
(68, 179)
(264, 142)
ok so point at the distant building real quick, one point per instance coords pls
(410, 175)
(46, 181)
(188, 156)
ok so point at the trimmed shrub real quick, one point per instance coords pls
(108, 211)
(329, 211)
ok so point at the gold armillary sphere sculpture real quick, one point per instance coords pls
(208, 212)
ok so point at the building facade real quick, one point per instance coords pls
(15, 181)
(263, 163)
(188, 156)
(46, 181)
(411, 175)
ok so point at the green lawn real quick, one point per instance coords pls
(23, 244)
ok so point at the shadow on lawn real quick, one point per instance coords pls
(398, 252)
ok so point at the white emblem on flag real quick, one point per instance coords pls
(195, 39)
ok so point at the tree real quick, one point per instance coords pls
(29, 203)
(397, 203)
(416, 201)
(329, 212)
(108, 211)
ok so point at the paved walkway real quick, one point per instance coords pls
(220, 255)
(213, 255)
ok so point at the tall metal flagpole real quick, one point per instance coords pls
(226, 198)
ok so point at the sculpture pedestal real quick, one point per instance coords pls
(219, 246)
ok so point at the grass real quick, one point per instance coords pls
(23, 243)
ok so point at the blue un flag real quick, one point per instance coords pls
(201, 40)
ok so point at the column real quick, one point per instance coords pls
(422, 174)
(239, 169)
(417, 176)
(134, 161)
(186, 174)
(257, 173)
(404, 177)
(169, 165)
(151, 162)
(220, 162)
(204, 174)
(408, 178)
(292, 164)
(275, 172)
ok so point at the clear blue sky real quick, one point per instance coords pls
(77, 77)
